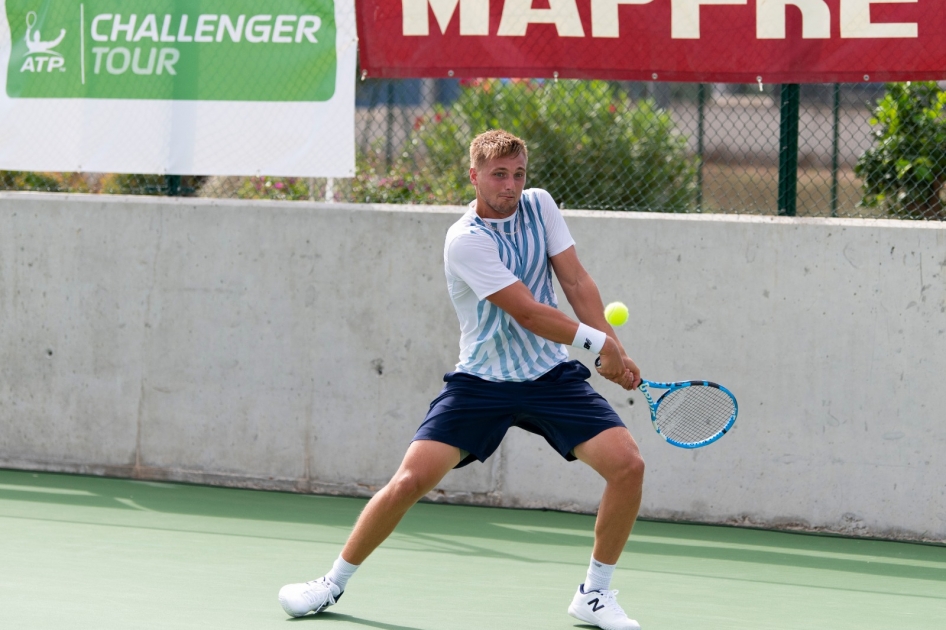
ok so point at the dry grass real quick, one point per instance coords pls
(746, 189)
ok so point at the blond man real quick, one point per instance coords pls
(514, 371)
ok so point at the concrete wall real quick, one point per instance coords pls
(296, 346)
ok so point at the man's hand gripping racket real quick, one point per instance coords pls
(691, 414)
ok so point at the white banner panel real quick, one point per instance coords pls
(194, 87)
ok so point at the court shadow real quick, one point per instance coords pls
(326, 617)
(474, 531)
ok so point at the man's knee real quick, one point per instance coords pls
(637, 467)
(408, 485)
(630, 473)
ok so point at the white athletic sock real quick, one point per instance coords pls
(599, 576)
(341, 572)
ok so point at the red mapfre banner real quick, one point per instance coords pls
(726, 41)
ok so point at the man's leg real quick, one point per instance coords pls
(425, 464)
(613, 453)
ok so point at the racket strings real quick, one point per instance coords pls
(694, 414)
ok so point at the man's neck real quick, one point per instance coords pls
(485, 211)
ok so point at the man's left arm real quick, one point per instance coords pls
(585, 299)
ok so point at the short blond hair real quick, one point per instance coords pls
(495, 143)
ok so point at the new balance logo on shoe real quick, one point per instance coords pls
(600, 608)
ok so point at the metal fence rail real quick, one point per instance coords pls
(810, 150)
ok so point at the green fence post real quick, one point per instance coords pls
(700, 109)
(836, 110)
(389, 126)
(173, 185)
(788, 150)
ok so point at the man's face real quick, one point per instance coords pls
(499, 185)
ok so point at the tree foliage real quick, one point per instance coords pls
(589, 146)
(905, 170)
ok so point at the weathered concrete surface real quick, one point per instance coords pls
(296, 346)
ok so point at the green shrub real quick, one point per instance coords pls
(126, 184)
(111, 183)
(43, 182)
(588, 145)
(905, 170)
(377, 182)
(279, 188)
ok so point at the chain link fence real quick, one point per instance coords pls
(863, 150)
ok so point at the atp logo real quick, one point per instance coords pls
(40, 56)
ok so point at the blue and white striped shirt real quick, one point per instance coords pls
(483, 256)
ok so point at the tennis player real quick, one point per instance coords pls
(513, 371)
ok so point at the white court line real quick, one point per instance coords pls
(81, 493)
(130, 503)
(664, 540)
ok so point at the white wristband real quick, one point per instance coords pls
(589, 338)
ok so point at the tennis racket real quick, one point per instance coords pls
(691, 414)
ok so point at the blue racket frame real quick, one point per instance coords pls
(672, 387)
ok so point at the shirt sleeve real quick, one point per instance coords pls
(557, 236)
(474, 258)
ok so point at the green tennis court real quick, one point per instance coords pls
(101, 554)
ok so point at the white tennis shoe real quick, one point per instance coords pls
(600, 608)
(314, 596)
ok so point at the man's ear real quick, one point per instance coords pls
(473, 176)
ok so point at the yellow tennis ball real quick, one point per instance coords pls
(616, 313)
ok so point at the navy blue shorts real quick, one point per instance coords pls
(474, 414)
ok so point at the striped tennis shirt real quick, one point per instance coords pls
(482, 256)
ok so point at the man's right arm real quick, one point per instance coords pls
(475, 259)
(554, 325)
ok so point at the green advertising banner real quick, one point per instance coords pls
(189, 50)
